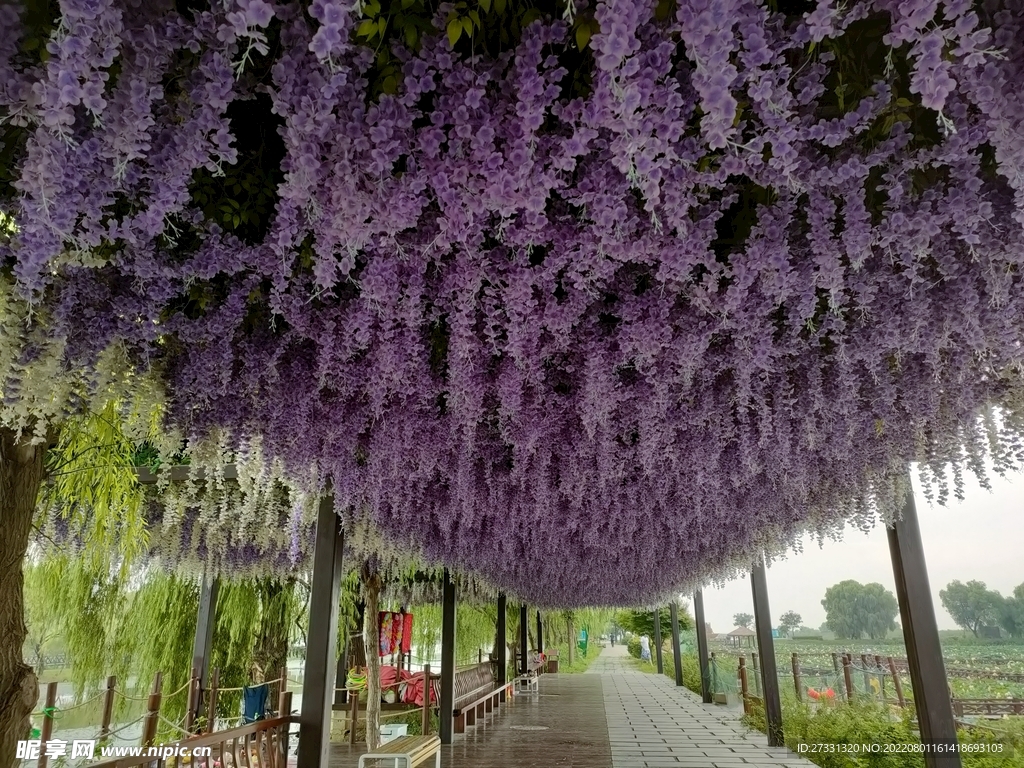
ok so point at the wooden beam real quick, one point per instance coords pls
(766, 654)
(540, 634)
(321, 639)
(501, 646)
(677, 655)
(657, 641)
(702, 646)
(446, 704)
(921, 635)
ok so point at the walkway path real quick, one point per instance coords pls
(652, 723)
(612, 717)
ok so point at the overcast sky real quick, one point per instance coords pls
(980, 538)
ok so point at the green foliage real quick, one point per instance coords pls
(743, 620)
(1010, 612)
(91, 480)
(641, 622)
(40, 618)
(971, 605)
(133, 627)
(633, 646)
(866, 722)
(853, 609)
(789, 621)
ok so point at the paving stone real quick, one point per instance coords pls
(615, 716)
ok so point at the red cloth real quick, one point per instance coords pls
(414, 690)
(407, 633)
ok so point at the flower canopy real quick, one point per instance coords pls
(592, 299)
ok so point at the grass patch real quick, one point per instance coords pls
(579, 664)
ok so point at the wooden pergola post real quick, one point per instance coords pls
(524, 640)
(202, 646)
(501, 646)
(766, 652)
(321, 639)
(702, 646)
(446, 705)
(677, 654)
(540, 634)
(659, 660)
(921, 635)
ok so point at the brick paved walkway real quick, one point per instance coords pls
(654, 724)
(561, 726)
(612, 717)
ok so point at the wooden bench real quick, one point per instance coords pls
(476, 694)
(413, 750)
(529, 681)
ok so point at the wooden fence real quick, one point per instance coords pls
(881, 677)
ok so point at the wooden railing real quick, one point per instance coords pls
(199, 702)
(262, 744)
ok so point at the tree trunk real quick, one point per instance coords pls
(271, 651)
(21, 474)
(371, 637)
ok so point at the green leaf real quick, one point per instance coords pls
(485, 5)
(367, 28)
(454, 31)
(382, 25)
(582, 36)
(467, 24)
(499, 6)
(476, 19)
(530, 16)
(407, 4)
(411, 35)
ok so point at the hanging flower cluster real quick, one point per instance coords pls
(593, 316)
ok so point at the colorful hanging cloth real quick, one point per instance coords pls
(395, 632)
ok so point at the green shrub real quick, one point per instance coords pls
(633, 646)
(868, 722)
(691, 672)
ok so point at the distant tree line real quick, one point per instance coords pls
(973, 606)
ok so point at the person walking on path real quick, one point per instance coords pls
(645, 648)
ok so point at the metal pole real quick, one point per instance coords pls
(921, 636)
(321, 638)
(766, 651)
(524, 640)
(502, 646)
(657, 641)
(677, 655)
(702, 646)
(446, 704)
